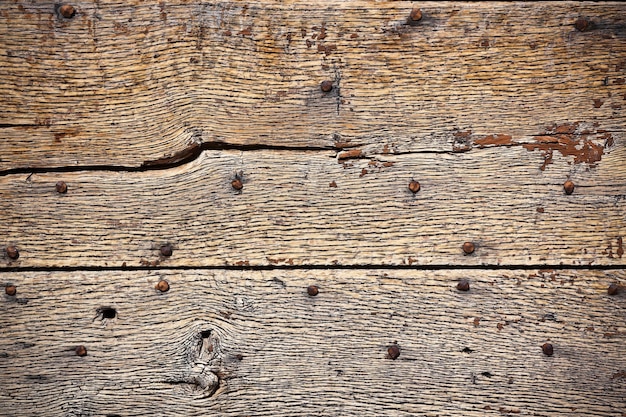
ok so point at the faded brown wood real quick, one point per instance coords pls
(273, 350)
(125, 83)
(300, 208)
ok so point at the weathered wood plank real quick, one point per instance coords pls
(122, 83)
(304, 208)
(274, 350)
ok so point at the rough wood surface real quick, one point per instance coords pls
(300, 208)
(275, 351)
(125, 83)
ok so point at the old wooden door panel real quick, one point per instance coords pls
(254, 343)
(306, 209)
(127, 84)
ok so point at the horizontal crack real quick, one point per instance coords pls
(434, 267)
(185, 156)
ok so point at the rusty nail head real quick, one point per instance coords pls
(67, 11)
(613, 289)
(312, 290)
(547, 349)
(61, 187)
(414, 186)
(582, 24)
(10, 290)
(237, 184)
(12, 252)
(393, 351)
(568, 186)
(468, 248)
(463, 285)
(163, 286)
(326, 86)
(166, 250)
(416, 15)
(81, 350)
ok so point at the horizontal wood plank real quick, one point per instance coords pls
(307, 208)
(125, 84)
(235, 343)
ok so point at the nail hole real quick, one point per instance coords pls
(206, 334)
(487, 374)
(467, 350)
(108, 313)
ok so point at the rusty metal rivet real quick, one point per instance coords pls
(613, 289)
(468, 248)
(416, 15)
(81, 350)
(166, 250)
(326, 86)
(582, 24)
(10, 290)
(463, 285)
(547, 349)
(61, 187)
(67, 11)
(237, 184)
(568, 186)
(163, 286)
(414, 186)
(393, 351)
(12, 252)
(312, 290)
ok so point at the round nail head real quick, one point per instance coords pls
(547, 349)
(61, 187)
(166, 250)
(312, 290)
(326, 86)
(414, 186)
(468, 248)
(237, 184)
(12, 252)
(463, 285)
(163, 286)
(613, 289)
(581, 24)
(393, 351)
(416, 15)
(81, 350)
(67, 11)
(10, 290)
(568, 186)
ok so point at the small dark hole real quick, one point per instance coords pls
(108, 313)
(487, 374)
(467, 350)
(205, 334)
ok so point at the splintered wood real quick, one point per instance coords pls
(330, 208)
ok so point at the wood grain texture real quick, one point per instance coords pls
(274, 351)
(300, 208)
(124, 83)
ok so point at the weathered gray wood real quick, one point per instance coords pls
(305, 208)
(323, 355)
(124, 83)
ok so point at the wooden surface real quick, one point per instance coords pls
(304, 208)
(277, 351)
(148, 111)
(125, 83)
